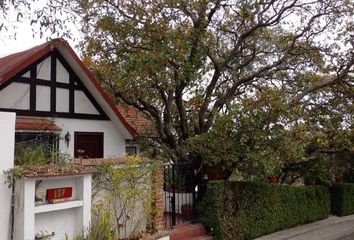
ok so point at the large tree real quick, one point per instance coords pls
(261, 136)
(183, 62)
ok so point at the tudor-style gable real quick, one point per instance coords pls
(51, 81)
(49, 87)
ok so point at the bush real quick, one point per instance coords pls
(244, 210)
(349, 176)
(342, 199)
(125, 191)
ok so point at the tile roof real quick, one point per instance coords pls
(13, 64)
(101, 161)
(35, 124)
(141, 124)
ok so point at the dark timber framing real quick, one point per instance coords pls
(33, 90)
(53, 84)
(53, 80)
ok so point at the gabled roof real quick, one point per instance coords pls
(13, 64)
(141, 124)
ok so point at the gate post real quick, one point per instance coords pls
(173, 199)
(7, 147)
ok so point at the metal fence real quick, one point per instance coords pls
(180, 193)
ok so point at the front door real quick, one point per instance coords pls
(88, 145)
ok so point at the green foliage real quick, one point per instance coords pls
(26, 155)
(184, 63)
(125, 192)
(348, 176)
(246, 210)
(342, 199)
(12, 174)
(102, 229)
(261, 136)
(348, 158)
(63, 158)
(254, 137)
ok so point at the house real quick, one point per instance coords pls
(59, 102)
(142, 126)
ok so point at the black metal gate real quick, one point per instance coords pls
(180, 193)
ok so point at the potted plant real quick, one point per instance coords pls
(272, 180)
(339, 179)
(187, 211)
(214, 173)
(272, 170)
(309, 181)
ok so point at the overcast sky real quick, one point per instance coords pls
(24, 39)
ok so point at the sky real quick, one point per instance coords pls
(25, 39)
(19, 35)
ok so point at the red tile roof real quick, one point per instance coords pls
(142, 126)
(101, 161)
(35, 124)
(12, 64)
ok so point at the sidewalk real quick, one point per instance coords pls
(332, 228)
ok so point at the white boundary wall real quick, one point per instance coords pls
(7, 146)
(71, 218)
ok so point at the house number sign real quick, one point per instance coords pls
(59, 193)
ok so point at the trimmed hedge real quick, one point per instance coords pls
(342, 199)
(245, 210)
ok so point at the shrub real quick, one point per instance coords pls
(125, 191)
(25, 155)
(348, 176)
(244, 210)
(342, 199)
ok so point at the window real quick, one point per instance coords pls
(35, 147)
(88, 145)
(131, 150)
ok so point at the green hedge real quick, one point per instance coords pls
(244, 210)
(342, 199)
(348, 176)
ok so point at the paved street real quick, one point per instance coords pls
(332, 228)
(348, 237)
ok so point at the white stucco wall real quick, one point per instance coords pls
(7, 144)
(113, 140)
(62, 100)
(43, 98)
(83, 104)
(15, 96)
(62, 74)
(43, 69)
(71, 218)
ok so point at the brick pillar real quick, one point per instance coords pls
(158, 203)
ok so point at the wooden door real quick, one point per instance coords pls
(88, 145)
